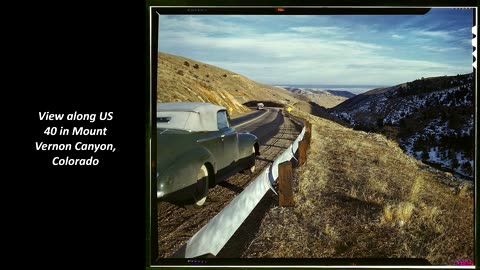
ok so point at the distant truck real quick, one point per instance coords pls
(260, 106)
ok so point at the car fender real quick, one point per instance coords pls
(183, 171)
(245, 142)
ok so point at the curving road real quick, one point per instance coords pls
(177, 224)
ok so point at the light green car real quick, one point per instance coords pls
(198, 148)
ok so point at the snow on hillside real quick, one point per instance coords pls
(306, 91)
(436, 130)
(436, 124)
(394, 111)
(320, 91)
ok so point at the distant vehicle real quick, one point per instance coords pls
(260, 106)
(197, 148)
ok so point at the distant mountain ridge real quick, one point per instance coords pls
(323, 97)
(341, 93)
(432, 118)
(306, 90)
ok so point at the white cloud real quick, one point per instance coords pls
(363, 45)
(278, 59)
(299, 55)
(196, 24)
(324, 30)
(439, 49)
(434, 34)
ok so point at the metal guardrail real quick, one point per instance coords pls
(212, 237)
(296, 119)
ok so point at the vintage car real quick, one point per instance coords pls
(197, 148)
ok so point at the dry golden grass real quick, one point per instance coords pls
(327, 101)
(206, 83)
(359, 195)
(399, 214)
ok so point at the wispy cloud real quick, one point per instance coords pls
(439, 49)
(322, 49)
(201, 25)
(356, 44)
(434, 34)
(325, 30)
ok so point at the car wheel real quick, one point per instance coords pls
(201, 189)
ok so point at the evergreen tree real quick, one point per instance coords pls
(425, 155)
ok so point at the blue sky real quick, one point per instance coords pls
(321, 49)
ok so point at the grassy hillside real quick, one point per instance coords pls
(183, 79)
(325, 100)
(360, 196)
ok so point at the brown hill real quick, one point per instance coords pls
(183, 79)
(324, 98)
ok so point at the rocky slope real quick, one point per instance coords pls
(432, 118)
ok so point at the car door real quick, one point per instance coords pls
(229, 137)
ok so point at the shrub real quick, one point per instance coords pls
(196, 66)
(425, 155)
(398, 214)
(186, 63)
(224, 75)
(180, 72)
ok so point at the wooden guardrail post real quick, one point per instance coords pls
(285, 185)
(308, 133)
(309, 136)
(302, 152)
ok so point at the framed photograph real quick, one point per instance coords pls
(313, 136)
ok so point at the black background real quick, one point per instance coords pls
(90, 58)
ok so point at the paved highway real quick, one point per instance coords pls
(177, 224)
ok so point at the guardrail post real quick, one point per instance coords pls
(302, 152)
(308, 133)
(285, 185)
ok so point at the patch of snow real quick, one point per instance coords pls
(433, 156)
